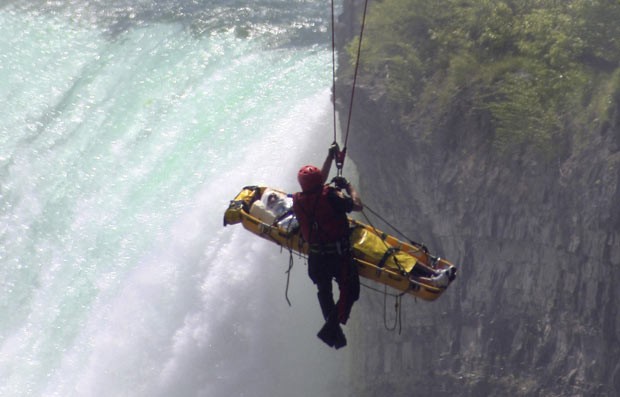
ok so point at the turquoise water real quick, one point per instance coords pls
(125, 132)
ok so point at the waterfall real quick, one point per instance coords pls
(125, 132)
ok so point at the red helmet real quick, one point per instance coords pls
(310, 178)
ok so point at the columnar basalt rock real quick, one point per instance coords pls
(534, 310)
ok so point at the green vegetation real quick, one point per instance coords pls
(540, 68)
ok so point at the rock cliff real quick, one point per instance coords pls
(534, 309)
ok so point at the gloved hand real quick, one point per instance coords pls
(334, 149)
(340, 182)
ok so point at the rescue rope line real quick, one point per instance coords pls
(419, 245)
(377, 290)
(357, 64)
(288, 275)
(334, 68)
(341, 155)
(397, 308)
(291, 262)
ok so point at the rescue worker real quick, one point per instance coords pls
(321, 211)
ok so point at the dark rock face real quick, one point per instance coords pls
(534, 308)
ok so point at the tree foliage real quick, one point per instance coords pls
(531, 64)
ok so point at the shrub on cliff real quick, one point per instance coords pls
(534, 66)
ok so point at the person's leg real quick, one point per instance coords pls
(319, 270)
(326, 297)
(347, 277)
(349, 286)
(331, 333)
(319, 273)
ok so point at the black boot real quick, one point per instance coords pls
(340, 340)
(332, 335)
(328, 334)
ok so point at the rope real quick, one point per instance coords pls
(357, 64)
(334, 69)
(366, 207)
(397, 307)
(398, 320)
(377, 290)
(291, 262)
(288, 275)
(342, 154)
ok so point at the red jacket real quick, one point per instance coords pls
(322, 215)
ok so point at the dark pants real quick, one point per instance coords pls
(322, 269)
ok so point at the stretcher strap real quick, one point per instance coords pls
(389, 252)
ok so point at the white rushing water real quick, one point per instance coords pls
(122, 139)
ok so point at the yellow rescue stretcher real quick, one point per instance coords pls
(380, 257)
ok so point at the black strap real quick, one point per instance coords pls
(341, 247)
(389, 252)
(288, 276)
